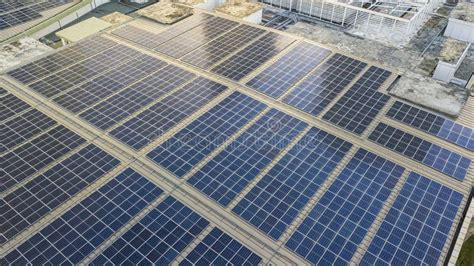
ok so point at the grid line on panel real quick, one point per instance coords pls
(22, 162)
(23, 127)
(218, 248)
(197, 140)
(361, 103)
(253, 56)
(157, 119)
(275, 201)
(77, 232)
(332, 231)
(433, 124)
(157, 238)
(10, 105)
(212, 52)
(417, 226)
(227, 174)
(196, 37)
(27, 204)
(422, 151)
(289, 69)
(115, 109)
(323, 85)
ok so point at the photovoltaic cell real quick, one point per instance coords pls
(361, 103)
(156, 239)
(334, 228)
(276, 200)
(420, 150)
(17, 17)
(323, 85)
(3, 91)
(151, 123)
(36, 154)
(116, 108)
(76, 233)
(218, 248)
(23, 127)
(192, 39)
(253, 56)
(193, 143)
(288, 70)
(7, 6)
(227, 174)
(433, 124)
(27, 204)
(416, 228)
(212, 52)
(10, 105)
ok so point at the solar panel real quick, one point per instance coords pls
(157, 238)
(193, 143)
(3, 92)
(433, 124)
(288, 70)
(218, 248)
(23, 127)
(416, 228)
(10, 105)
(76, 233)
(338, 223)
(17, 17)
(196, 37)
(361, 103)
(151, 40)
(273, 204)
(7, 6)
(111, 111)
(324, 84)
(253, 56)
(214, 51)
(44, 66)
(24, 161)
(227, 174)
(151, 123)
(27, 204)
(420, 150)
(104, 85)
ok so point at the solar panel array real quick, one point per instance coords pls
(253, 173)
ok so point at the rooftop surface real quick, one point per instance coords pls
(220, 141)
(83, 29)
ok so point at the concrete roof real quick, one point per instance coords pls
(83, 29)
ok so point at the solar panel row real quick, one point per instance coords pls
(425, 152)
(417, 226)
(323, 85)
(433, 124)
(227, 174)
(273, 204)
(361, 103)
(193, 143)
(288, 70)
(10, 106)
(7, 6)
(334, 228)
(27, 204)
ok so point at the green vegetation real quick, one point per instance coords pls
(466, 257)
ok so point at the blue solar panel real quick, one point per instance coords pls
(425, 152)
(116, 108)
(27, 204)
(22, 162)
(76, 233)
(227, 174)
(288, 70)
(323, 85)
(433, 124)
(189, 146)
(157, 238)
(253, 56)
(338, 223)
(151, 123)
(10, 105)
(361, 103)
(278, 197)
(416, 228)
(218, 248)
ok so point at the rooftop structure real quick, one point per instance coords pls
(217, 141)
(82, 30)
